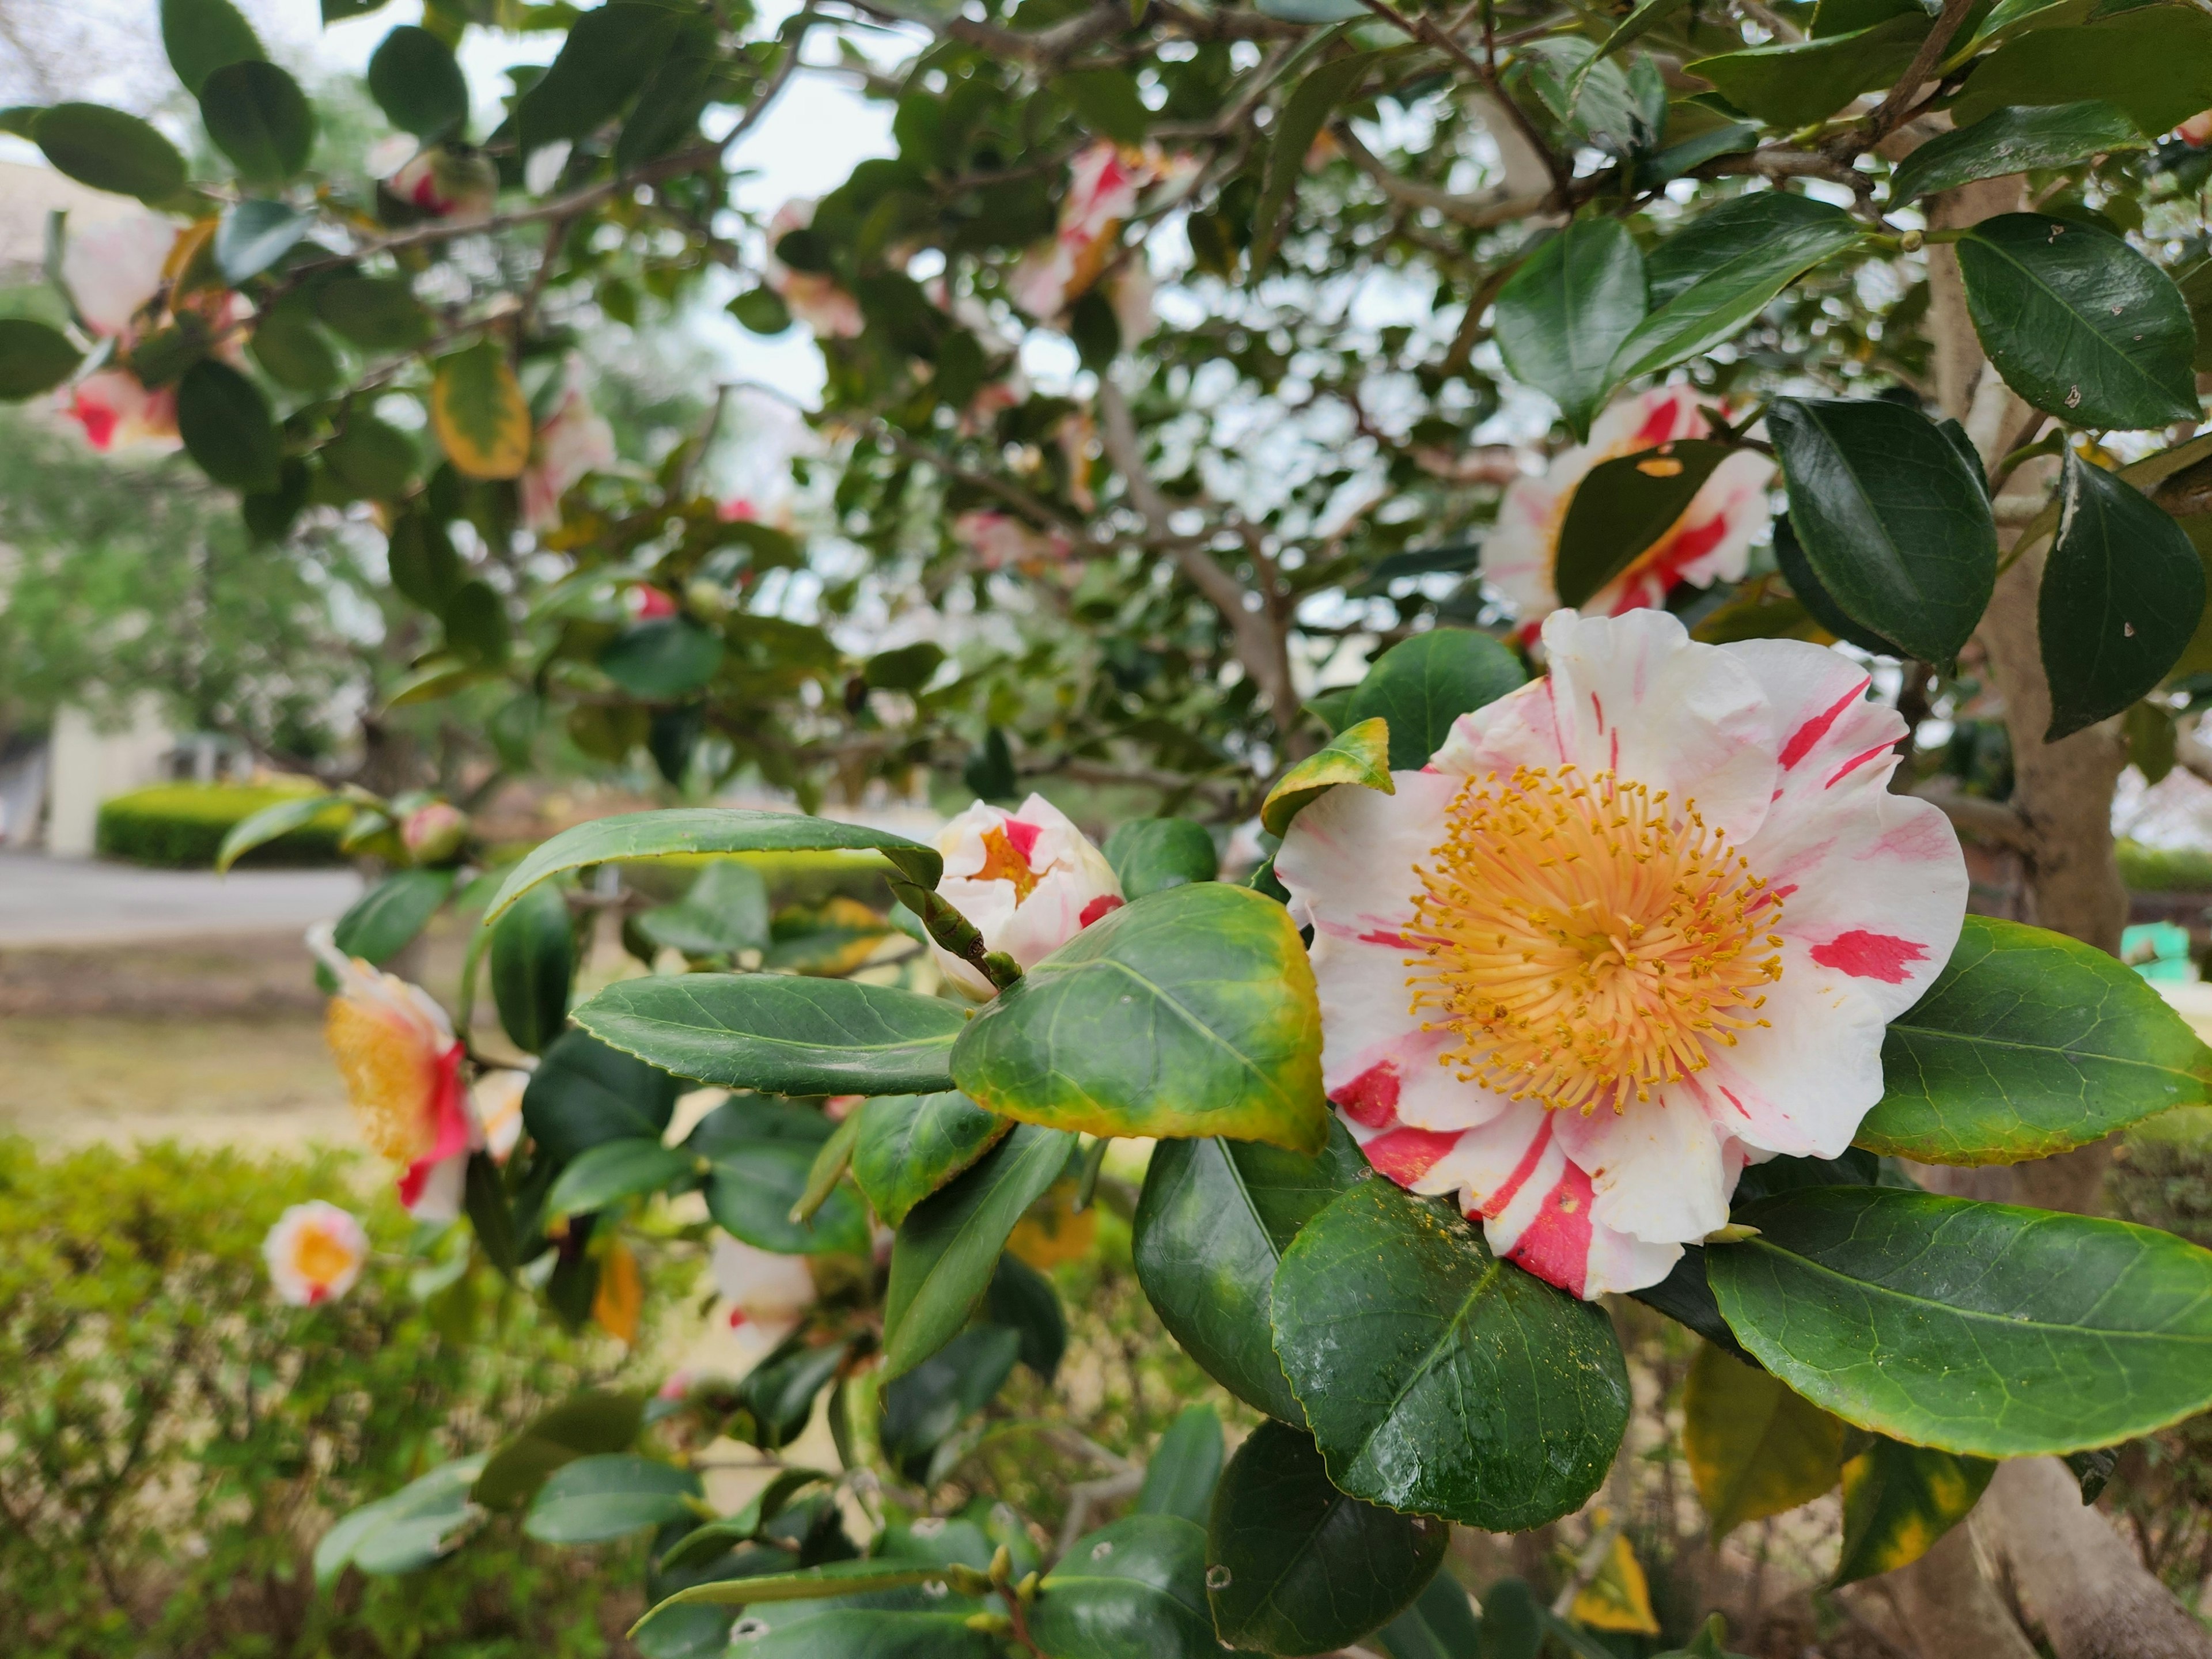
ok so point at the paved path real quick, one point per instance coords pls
(61, 902)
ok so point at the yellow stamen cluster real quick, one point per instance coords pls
(1586, 943)
(320, 1258)
(388, 1077)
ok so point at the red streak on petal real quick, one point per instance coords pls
(98, 420)
(1871, 955)
(1406, 1155)
(1599, 707)
(1658, 426)
(1023, 837)
(1494, 1206)
(1382, 936)
(1557, 1244)
(1857, 760)
(1728, 1095)
(1802, 740)
(318, 1293)
(1104, 904)
(1371, 1099)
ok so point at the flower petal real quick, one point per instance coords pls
(1801, 1084)
(1655, 1168)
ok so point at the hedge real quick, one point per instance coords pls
(179, 826)
(2165, 869)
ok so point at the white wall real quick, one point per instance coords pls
(87, 766)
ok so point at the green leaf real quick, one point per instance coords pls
(910, 1146)
(417, 83)
(595, 1500)
(289, 346)
(270, 515)
(1313, 11)
(725, 911)
(1794, 83)
(779, 1393)
(1513, 1620)
(2013, 140)
(406, 1532)
(1304, 113)
(584, 1093)
(1023, 1300)
(606, 57)
(226, 427)
(1812, 594)
(592, 1421)
(1190, 1011)
(254, 235)
(1106, 102)
(33, 358)
(807, 1584)
(257, 116)
(673, 97)
(1421, 685)
(1184, 1467)
(781, 1033)
(2028, 1044)
(202, 36)
(1889, 517)
(1438, 1378)
(923, 1407)
(1564, 315)
(2156, 64)
(2079, 323)
(268, 824)
(479, 413)
(1152, 854)
(2123, 592)
(1441, 1624)
(949, 1243)
(109, 150)
(533, 959)
(762, 1152)
(1135, 1587)
(1357, 755)
(1719, 271)
(379, 314)
(384, 920)
(1755, 1447)
(1212, 1225)
(631, 835)
(1295, 1566)
(1899, 1500)
(374, 459)
(909, 669)
(1623, 505)
(1973, 1327)
(662, 661)
(614, 1171)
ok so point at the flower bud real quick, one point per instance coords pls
(1028, 879)
(434, 834)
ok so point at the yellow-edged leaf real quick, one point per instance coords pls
(479, 413)
(1899, 1500)
(1755, 1448)
(1359, 754)
(1054, 1230)
(620, 1298)
(1618, 1598)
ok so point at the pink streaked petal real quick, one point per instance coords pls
(432, 1189)
(1350, 856)
(1803, 1084)
(1655, 1167)
(1549, 1230)
(1520, 729)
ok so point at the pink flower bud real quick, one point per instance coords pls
(435, 832)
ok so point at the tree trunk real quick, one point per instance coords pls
(1951, 1609)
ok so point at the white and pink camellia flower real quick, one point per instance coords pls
(402, 1065)
(1104, 183)
(1001, 541)
(497, 1098)
(574, 439)
(113, 269)
(1028, 879)
(436, 180)
(116, 411)
(1635, 924)
(315, 1253)
(812, 297)
(2196, 130)
(769, 1292)
(1710, 542)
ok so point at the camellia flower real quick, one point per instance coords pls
(1029, 880)
(437, 180)
(812, 297)
(574, 439)
(767, 1291)
(402, 1065)
(497, 1100)
(1710, 542)
(1634, 925)
(2196, 130)
(434, 832)
(114, 268)
(117, 411)
(315, 1253)
(1104, 183)
(1000, 541)
(650, 604)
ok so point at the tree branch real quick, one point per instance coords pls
(1992, 820)
(1475, 212)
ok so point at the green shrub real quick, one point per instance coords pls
(180, 826)
(2165, 869)
(175, 1440)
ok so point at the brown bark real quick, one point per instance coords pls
(1950, 1607)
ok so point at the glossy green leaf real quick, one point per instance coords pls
(2027, 1044)
(257, 116)
(1889, 517)
(2156, 64)
(1149, 854)
(948, 1244)
(406, 1532)
(909, 1146)
(1211, 1226)
(629, 836)
(1190, 1011)
(593, 1421)
(1024, 1301)
(33, 358)
(1981, 1328)
(1421, 685)
(226, 427)
(378, 313)
(595, 1500)
(1441, 1624)
(831, 1578)
(374, 459)
(109, 150)
(1790, 84)
(1812, 594)
(2123, 592)
(1313, 11)
(922, 1407)
(762, 1151)
(1184, 1467)
(1359, 755)
(268, 824)
(1304, 113)
(533, 959)
(2013, 140)
(584, 1093)
(725, 911)
(832, 1158)
(2079, 323)
(202, 36)
(781, 1033)
(1135, 1589)
(289, 347)
(1513, 1620)
(1623, 505)
(1721, 270)
(779, 1394)
(664, 659)
(384, 920)
(874, 1633)
(614, 1171)
(1295, 1566)
(1755, 1447)
(606, 57)
(415, 81)
(1438, 1378)
(1562, 316)
(254, 235)
(1899, 1500)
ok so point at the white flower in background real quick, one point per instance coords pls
(1001, 541)
(812, 297)
(767, 1291)
(1635, 924)
(114, 267)
(402, 1065)
(315, 1253)
(1710, 542)
(546, 163)
(116, 411)
(437, 180)
(1028, 879)
(497, 1097)
(574, 439)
